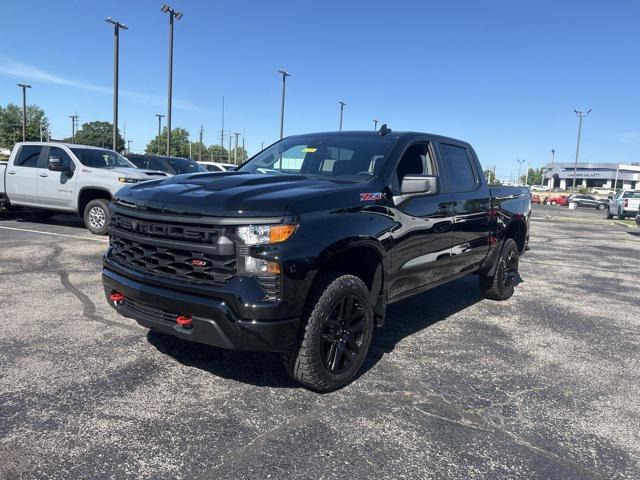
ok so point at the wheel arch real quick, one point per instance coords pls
(91, 193)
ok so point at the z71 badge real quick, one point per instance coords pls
(370, 196)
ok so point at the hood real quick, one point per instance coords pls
(137, 173)
(234, 194)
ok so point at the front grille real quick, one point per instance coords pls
(181, 252)
(148, 311)
(270, 286)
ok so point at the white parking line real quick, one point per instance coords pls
(56, 234)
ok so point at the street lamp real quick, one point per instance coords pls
(575, 165)
(375, 125)
(160, 117)
(116, 52)
(342, 104)
(285, 74)
(520, 162)
(178, 15)
(24, 87)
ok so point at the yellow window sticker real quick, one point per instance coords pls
(309, 150)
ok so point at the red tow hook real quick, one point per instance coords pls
(185, 321)
(117, 298)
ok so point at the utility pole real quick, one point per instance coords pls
(575, 165)
(222, 129)
(74, 119)
(235, 153)
(116, 54)
(24, 87)
(128, 146)
(285, 74)
(342, 104)
(261, 146)
(178, 15)
(200, 146)
(159, 129)
(41, 137)
(520, 162)
(375, 125)
(229, 151)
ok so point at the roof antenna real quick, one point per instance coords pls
(384, 130)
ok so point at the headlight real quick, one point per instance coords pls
(264, 234)
(128, 180)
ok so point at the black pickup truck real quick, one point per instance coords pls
(301, 249)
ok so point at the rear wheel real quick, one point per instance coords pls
(97, 216)
(554, 203)
(336, 336)
(601, 206)
(502, 284)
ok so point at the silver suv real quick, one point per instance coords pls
(61, 177)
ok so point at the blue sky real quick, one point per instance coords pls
(504, 76)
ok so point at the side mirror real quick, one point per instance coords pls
(419, 185)
(55, 164)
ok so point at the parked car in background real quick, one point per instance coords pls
(590, 201)
(218, 167)
(626, 203)
(62, 177)
(536, 199)
(171, 165)
(556, 200)
(538, 188)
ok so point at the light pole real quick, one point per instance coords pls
(24, 87)
(160, 117)
(74, 119)
(172, 14)
(520, 163)
(342, 104)
(375, 125)
(285, 74)
(235, 152)
(116, 53)
(575, 165)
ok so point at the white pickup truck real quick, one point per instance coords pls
(60, 177)
(625, 204)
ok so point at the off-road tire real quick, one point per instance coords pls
(305, 361)
(501, 285)
(92, 226)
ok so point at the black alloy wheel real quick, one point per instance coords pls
(343, 335)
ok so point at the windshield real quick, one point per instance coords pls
(96, 158)
(344, 156)
(184, 165)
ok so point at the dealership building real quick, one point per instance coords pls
(593, 175)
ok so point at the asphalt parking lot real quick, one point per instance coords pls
(544, 385)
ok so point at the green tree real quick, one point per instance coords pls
(11, 124)
(195, 151)
(242, 155)
(179, 143)
(534, 176)
(217, 153)
(491, 178)
(98, 134)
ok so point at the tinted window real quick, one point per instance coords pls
(457, 167)
(140, 162)
(58, 152)
(213, 168)
(183, 165)
(631, 195)
(415, 161)
(28, 156)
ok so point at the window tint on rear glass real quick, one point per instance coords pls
(631, 195)
(457, 166)
(28, 156)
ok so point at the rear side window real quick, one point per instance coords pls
(28, 156)
(457, 167)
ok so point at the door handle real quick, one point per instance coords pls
(11, 172)
(44, 174)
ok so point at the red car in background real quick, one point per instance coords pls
(535, 199)
(562, 200)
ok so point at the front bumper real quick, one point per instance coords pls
(214, 322)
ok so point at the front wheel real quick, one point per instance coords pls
(336, 334)
(554, 203)
(502, 284)
(601, 206)
(97, 216)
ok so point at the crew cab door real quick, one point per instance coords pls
(470, 199)
(22, 176)
(57, 189)
(421, 240)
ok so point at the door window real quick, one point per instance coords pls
(156, 164)
(28, 156)
(415, 161)
(457, 167)
(58, 152)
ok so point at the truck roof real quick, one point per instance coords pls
(375, 133)
(56, 144)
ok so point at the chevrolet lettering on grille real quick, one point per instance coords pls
(177, 232)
